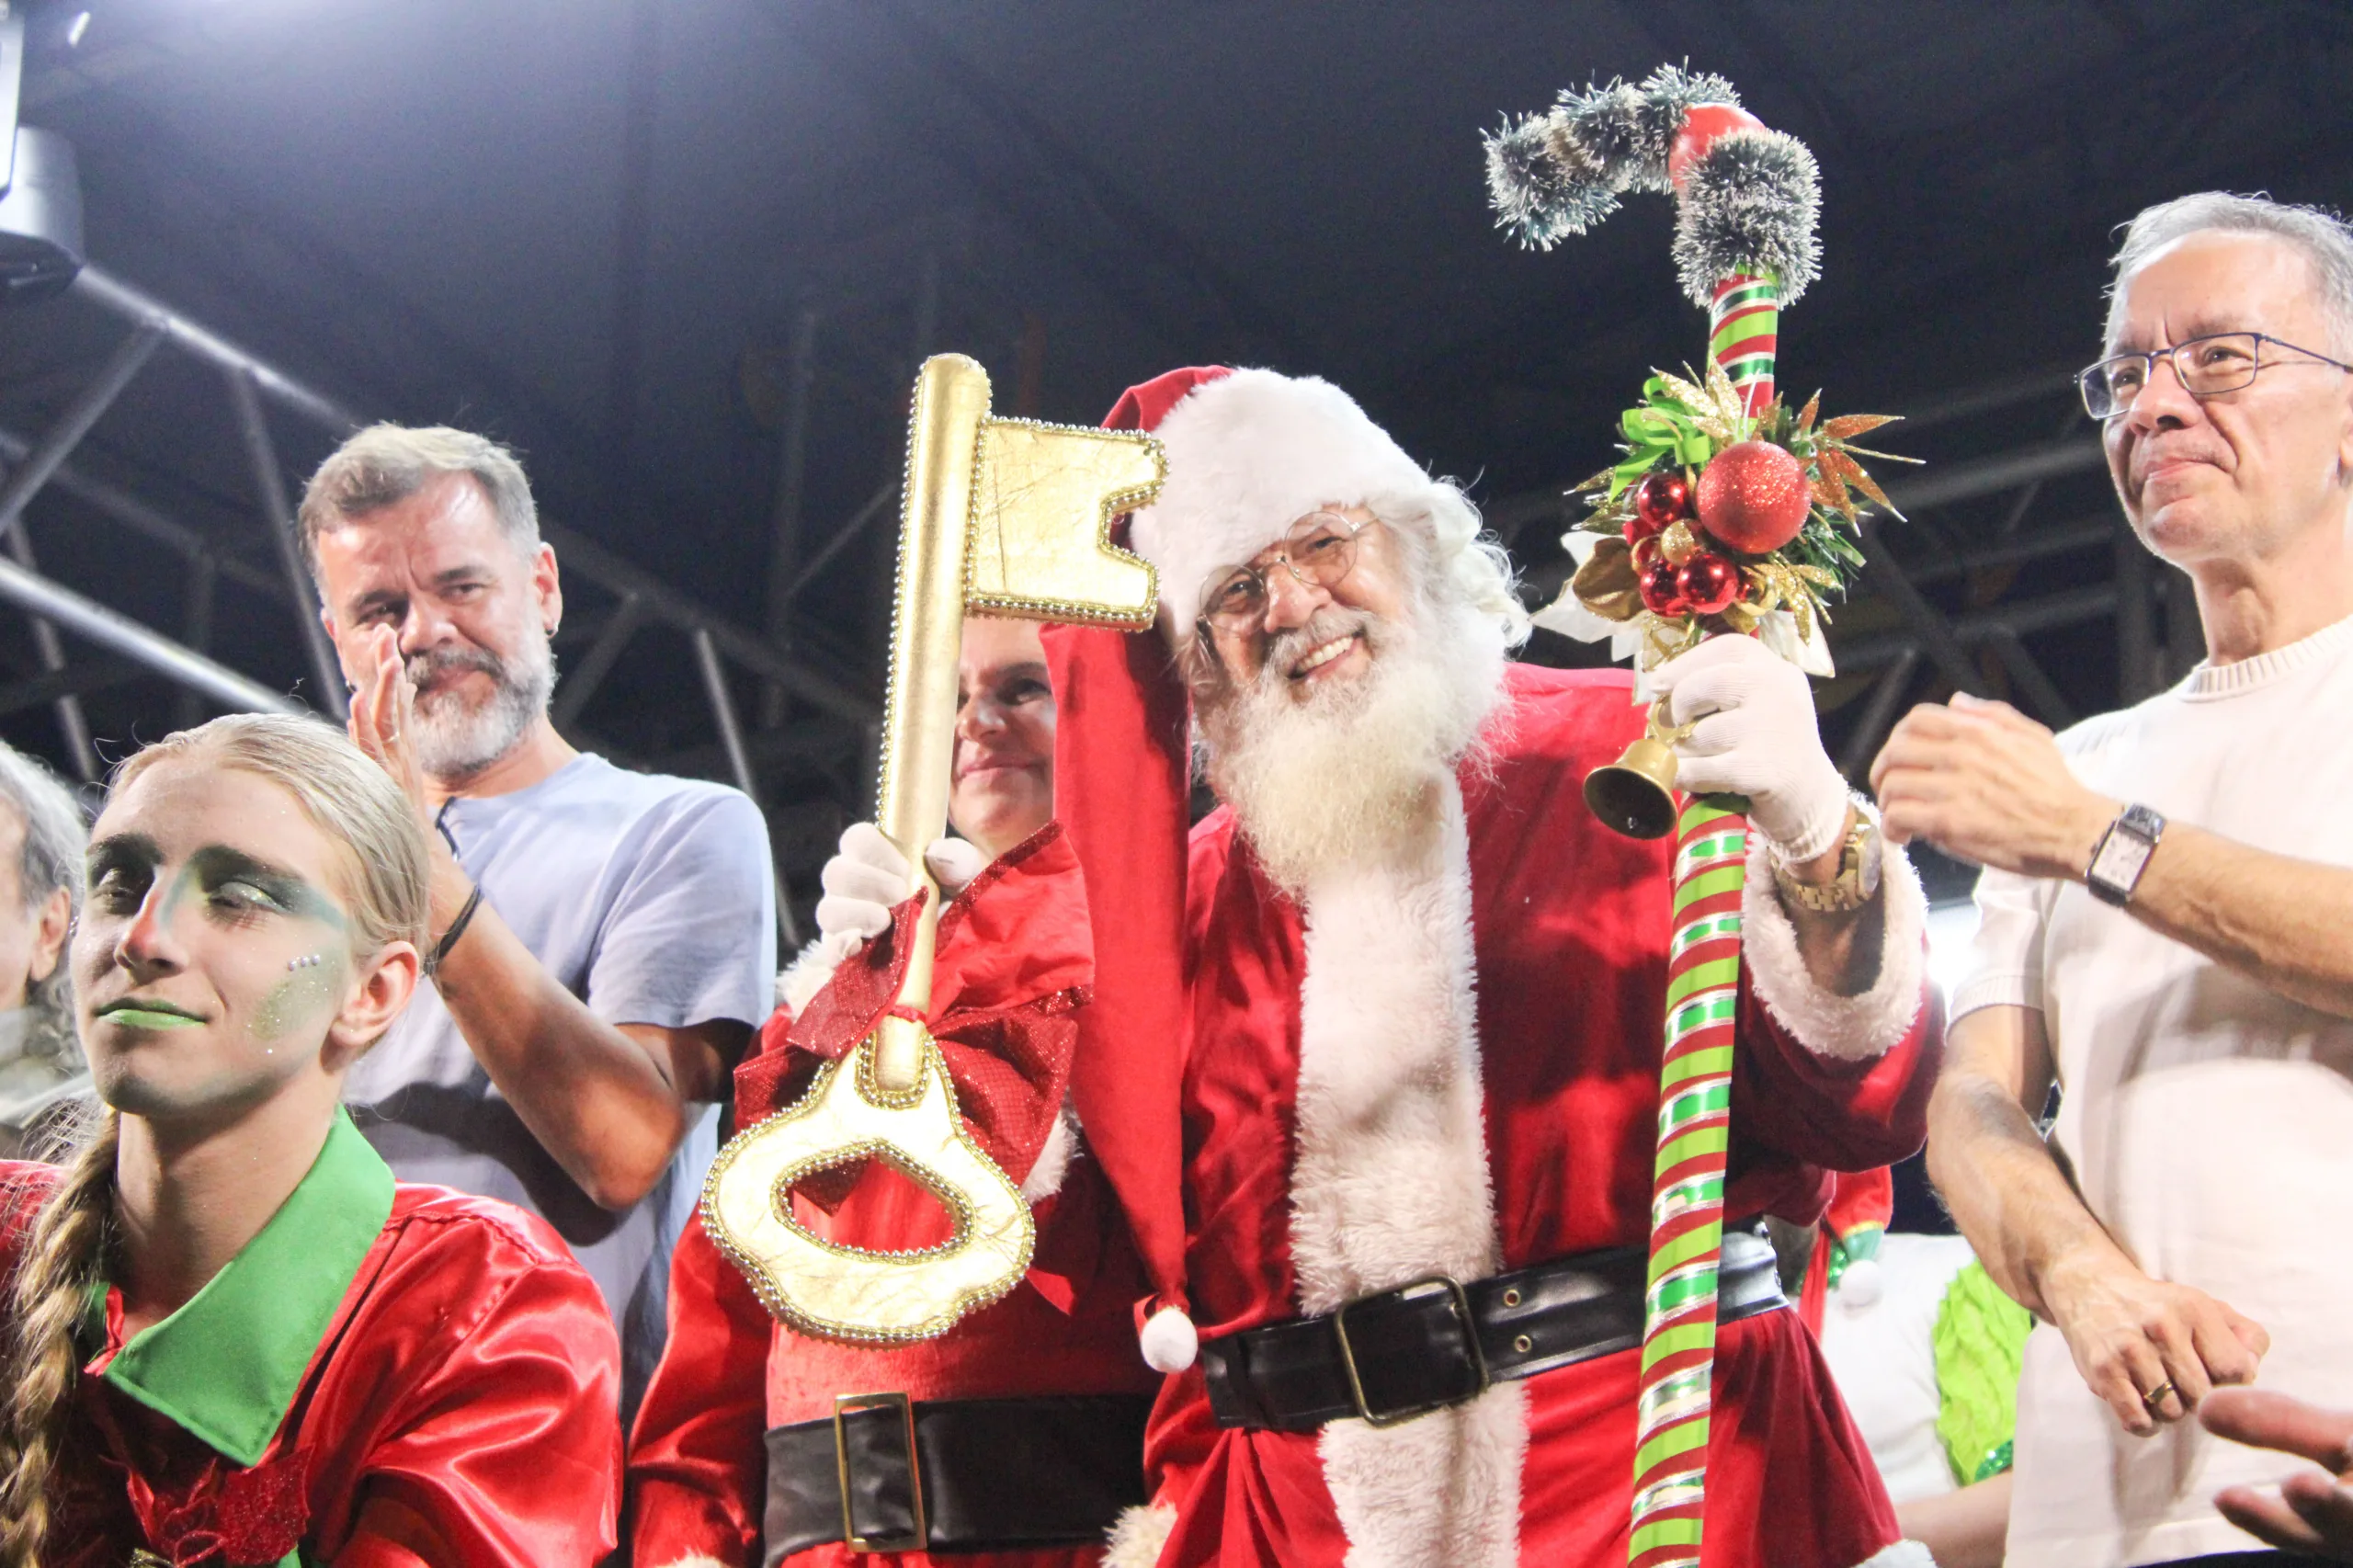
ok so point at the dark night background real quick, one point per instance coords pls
(596, 228)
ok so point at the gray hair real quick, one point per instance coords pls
(56, 834)
(2322, 238)
(389, 463)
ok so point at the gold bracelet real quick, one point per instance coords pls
(1858, 878)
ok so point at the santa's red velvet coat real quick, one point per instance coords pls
(1320, 1161)
(1009, 985)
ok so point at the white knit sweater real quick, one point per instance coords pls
(2209, 1121)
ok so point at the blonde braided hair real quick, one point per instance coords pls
(62, 1257)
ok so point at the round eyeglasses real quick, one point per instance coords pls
(1318, 550)
(2221, 362)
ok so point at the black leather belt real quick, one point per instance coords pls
(1405, 1352)
(888, 1474)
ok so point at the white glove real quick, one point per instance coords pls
(867, 876)
(1754, 735)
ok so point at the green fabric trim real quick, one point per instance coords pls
(1856, 1245)
(226, 1366)
(1980, 1344)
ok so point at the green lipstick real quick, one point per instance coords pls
(137, 1017)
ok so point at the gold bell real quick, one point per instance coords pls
(1636, 794)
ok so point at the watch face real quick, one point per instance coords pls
(2119, 861)
(1867, 869)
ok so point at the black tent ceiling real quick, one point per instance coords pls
(593, 227)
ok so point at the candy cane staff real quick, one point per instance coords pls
(1029, 1414)
(231, 1336)
(1719, 535)
(1420, 1003)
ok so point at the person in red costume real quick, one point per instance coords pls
(232, 1337)
(1420, 1009)
(1030, 1413)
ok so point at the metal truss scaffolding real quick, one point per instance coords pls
(253, 386)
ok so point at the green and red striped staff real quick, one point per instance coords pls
(1695, 1081)
(1727, 515)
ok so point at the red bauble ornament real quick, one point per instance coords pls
(1702, 126)
(1656, 584)
(1659, 499)
(1708, 582)
(1646, 552)
(1754, 496)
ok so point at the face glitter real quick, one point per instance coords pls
(307, 994)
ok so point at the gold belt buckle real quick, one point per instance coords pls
(915, 1539)
(1461, 1317)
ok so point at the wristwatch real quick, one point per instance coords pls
(2122, 854)
(1858, 878)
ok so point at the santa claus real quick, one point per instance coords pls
(1420, 1003)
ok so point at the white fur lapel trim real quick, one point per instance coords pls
(1852, 1028)
(1391, 1183)
(1902, 1554)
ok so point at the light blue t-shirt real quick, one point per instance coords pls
(650, 899)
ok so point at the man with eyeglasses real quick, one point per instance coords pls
(2163, 934)
(1419, 1023)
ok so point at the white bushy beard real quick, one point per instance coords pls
(456, 740)
(1351, 772)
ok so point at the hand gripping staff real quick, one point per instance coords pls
(1727, 515)
(1003, 516)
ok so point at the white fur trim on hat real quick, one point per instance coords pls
(1900, 1554)
(1249, 454)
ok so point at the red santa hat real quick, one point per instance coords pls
(1250, 452)
(1122, 774)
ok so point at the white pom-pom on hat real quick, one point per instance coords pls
(1861, 1285)
(1170, 1341)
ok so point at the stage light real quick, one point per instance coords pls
(40, 191)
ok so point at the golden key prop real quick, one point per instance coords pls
(1000, 517)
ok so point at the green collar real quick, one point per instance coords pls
(226, 1366)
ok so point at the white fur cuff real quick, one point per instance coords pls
(1139, 1534)
(808, 973)
(694, 1559)
(1848, 1027)
(1902, 1554)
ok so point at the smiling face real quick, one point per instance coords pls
(1312, 639)
(1004, 785)
(212, 964)
(2237, 475)
(473, 614)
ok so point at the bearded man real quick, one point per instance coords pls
(1421, 1017)
(605, 940)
